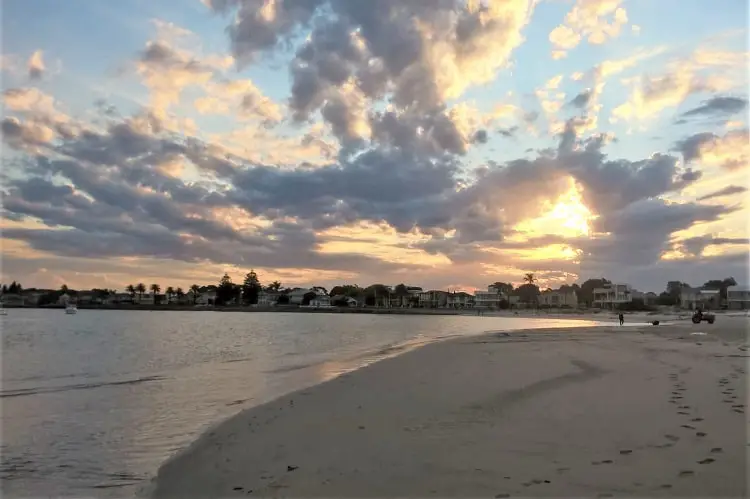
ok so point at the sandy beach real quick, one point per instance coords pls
(634, 411)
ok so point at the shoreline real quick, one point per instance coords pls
(236, 450)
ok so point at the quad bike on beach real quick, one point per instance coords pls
(699, 316)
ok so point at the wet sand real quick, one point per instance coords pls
(633, 411)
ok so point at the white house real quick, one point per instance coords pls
(267, 298)
(490, 298)
(320, 301)
(559, 298)
(460, 300)
(433, 299)
(704, 299)
(612, 295)
(143, 299)
(738, 298)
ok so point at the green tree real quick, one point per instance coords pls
(283, 300)
(130, 290)
(529, 278)
(351, 290)
(308, 297)
(140, 288)
(226, 290)
(170, 293)
(63, 289)
(251, 288)
(196, 290)
(528, 293)
(274, 286)
(155, 290)
(180, 294)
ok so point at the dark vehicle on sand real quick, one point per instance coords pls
(699, 316)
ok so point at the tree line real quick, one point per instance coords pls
(249, 291)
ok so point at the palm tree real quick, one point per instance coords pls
(180, 293)
(131, 290)
(195, 289)
(529, 278)
(169, 292)
(140, 288)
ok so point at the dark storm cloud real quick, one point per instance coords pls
(730, 190)
(719, 105)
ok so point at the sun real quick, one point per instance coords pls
(567, 216)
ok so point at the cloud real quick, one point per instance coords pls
(595, 20)
(240, 97)
(695, 246)
(582, 99)
(421, 53)
(727, 191)
(36, 65)
(718, 105)
(731, 151)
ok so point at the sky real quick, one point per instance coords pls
(447, 144)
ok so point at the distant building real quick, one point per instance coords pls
(738, 298)
(490, 298)
(320, 301)
(696, 298)
(12, 299)
(611, 295)
(144, 299)
(433, 299)
(460, 300)
(350, 302)
(559, 298)
(267, 298)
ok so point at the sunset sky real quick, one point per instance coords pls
(439, 143)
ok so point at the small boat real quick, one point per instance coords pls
(71, 309)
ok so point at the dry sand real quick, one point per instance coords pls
(649, 411)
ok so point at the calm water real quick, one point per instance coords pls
(93, 403)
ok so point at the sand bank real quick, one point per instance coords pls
(605, 411)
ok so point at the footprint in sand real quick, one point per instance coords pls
(683, 413)
(685, 473)
(700, 434)
(688, 427)
(626, 452)
(502, 495)
(738, 406)
(665, 486)
(717, 450)
(684, 407)
(696, 420)
(672, 438)
(739, 411)
(708, 460)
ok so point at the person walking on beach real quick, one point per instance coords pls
(622, 319)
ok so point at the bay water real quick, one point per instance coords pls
(93, 403)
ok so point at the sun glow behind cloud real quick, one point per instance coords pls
(566, 216)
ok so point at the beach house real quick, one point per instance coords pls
(434, 298)
(738, 298)
(460, 300)
(612, 295)
(267, 298)
(697, 298)
(490, 298)
(562, 298)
